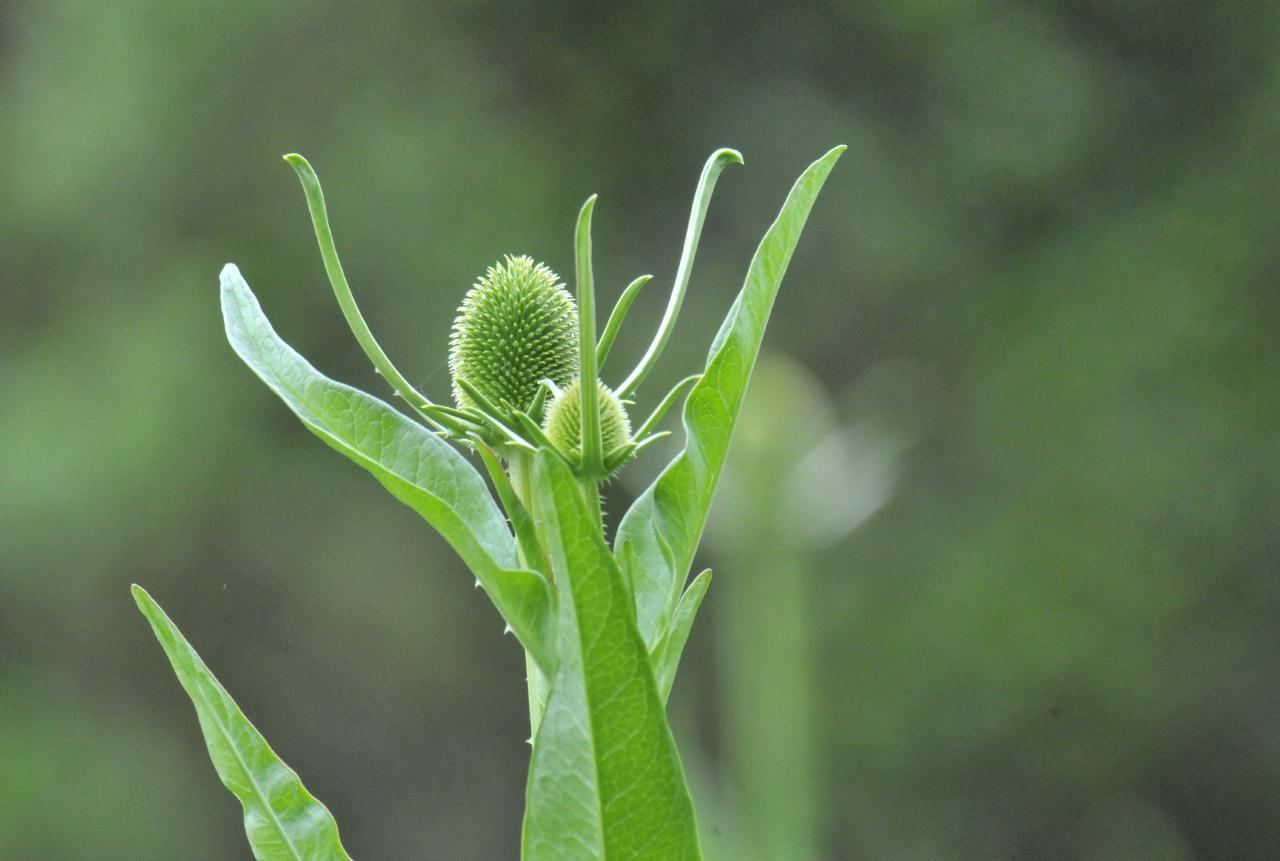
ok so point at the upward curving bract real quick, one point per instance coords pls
(663, 526)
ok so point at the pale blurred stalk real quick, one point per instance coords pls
(764, 608)
(767, 672)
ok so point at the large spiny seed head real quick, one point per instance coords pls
(564, 421)
(516, 327)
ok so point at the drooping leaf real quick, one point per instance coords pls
(605, 782)
(671, 514)
(666, 655)
(281, 819)
(419, 468)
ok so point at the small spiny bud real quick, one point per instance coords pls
(564, 422)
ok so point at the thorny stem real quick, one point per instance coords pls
(520, 469)
(591, 496)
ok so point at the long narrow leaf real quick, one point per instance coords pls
(673, 511)
(605, 783)
(419, 468)
(281, 819)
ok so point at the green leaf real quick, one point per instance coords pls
(665, 523)
(666, 655)
(419, 468)
(282, 820)
(605, 781)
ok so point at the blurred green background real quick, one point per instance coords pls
(997, 568)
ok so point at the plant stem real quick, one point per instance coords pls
(520, 469)
(591, 496)
(537, 687)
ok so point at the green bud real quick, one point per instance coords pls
(516, 327)
(564, 422)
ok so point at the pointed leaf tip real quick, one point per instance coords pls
(666, 521)
(282, 820)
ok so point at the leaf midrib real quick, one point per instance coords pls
(244, 766)
(591, 723)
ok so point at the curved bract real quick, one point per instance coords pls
(719, 160)
(591, 462)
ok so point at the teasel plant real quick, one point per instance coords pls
(603, 625)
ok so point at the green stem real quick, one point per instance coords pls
(537, 685)
(520, 466)
(591, 495)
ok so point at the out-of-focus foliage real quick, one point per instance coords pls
(1047, 269)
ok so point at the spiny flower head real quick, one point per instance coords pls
(563, 425)
(516, 326)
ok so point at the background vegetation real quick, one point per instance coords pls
(1035, 381)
